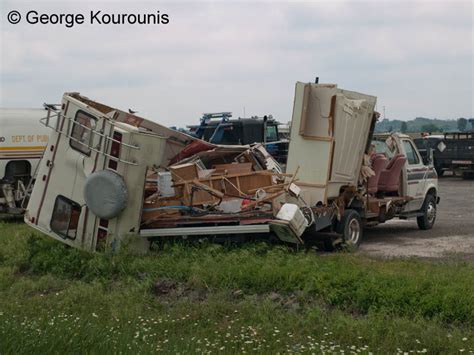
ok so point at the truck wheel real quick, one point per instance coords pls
(350, 227)
(428, 218)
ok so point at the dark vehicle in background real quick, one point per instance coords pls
(220, 128)
(452, 151)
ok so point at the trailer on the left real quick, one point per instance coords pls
(22, 143)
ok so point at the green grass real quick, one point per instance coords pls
(212, 298)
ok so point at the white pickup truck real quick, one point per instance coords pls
(93, 185)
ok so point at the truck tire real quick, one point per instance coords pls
(350, 227)
(426, 221)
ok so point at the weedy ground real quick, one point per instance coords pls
(254, 298)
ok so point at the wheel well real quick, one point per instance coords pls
(432, 191)
(17, 169)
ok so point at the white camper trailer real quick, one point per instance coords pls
(22, 142)
(107, 176)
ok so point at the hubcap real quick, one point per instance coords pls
(354, 231)
(431, 212)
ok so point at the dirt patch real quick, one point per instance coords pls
(168, 291)
(164, 287)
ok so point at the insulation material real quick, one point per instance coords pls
(366, 171)
(165, 183)
(230, 206)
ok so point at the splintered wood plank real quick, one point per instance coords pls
(233, 168)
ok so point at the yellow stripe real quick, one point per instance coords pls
(36, 147)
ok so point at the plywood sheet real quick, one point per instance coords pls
(231, 186)
(184, 172)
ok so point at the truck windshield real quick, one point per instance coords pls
(272, 134)
(381, 147)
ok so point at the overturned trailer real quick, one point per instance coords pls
(109, 177)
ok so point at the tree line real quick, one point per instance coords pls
(421, 124)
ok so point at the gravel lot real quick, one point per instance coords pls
(452, 234)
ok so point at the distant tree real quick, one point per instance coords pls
(462, 124)
(390, 128)
(430, 128)
(404, 127)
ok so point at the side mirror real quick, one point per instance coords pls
(427, 156)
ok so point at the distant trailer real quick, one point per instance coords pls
(452, 151)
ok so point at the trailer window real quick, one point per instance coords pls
(410, 152)
(65, 217)
(81, 132)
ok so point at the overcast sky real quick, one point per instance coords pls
(416, 57)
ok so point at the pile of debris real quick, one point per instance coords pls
(224, 185)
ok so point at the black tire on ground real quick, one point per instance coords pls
(350, 227)
(469, 174)
(429, 213)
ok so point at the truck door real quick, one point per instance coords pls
(414, 176)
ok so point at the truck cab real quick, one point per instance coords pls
(418, 180)
(367, 179)
(221, 128)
